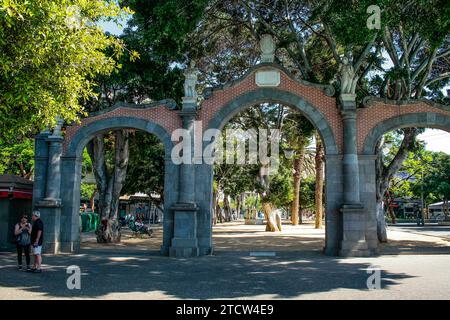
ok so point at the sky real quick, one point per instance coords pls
(436, 140)
(112, 27)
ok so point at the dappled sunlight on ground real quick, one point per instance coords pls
(236, 236)
(401, 240)
(134, 269)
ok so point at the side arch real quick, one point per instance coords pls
(71, 162)
(262, 95)
(88, 131)
(423, 119)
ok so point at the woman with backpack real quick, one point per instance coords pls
(22, 231)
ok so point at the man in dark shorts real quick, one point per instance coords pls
(37, 237)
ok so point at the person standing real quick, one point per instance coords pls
(22, 231)
(37, 237)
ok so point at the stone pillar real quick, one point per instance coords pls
(334, 198)
(204, 200)
(70, 215)
(184, 241)
(187, 170)
(40, 166)
(350, 161)
(50, 206)
(51, 217)
(54, 169)
(367, 179)
(353, 213)
(171, 187)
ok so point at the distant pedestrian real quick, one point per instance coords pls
(37, 238)
(22, 232)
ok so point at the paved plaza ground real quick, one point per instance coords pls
(415, 264)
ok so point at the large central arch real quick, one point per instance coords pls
(287, 94)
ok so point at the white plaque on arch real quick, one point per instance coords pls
(267, 78)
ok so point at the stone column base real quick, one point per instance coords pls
(354, 248)
(354, 242)
(50, 210)
(184, 243)
(184, 248)
(70, 247)
(164, 250)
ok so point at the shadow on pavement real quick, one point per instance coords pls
(145, 274)
(401, 247)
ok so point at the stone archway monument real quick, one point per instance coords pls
(349, 134)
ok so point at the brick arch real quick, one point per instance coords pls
(85, 133)
(154, 119)
(425, 119)
(381, 116)
(158, 120)
(261, 95)
(315, 101)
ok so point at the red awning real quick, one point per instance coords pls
(16, 194)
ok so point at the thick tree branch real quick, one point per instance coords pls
(331, 43)
(365, 52)
(438, 78)
(386, 172)
(387, 39)
(427, 73)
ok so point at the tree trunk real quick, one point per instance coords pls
(381, 223)
(385, 174)
(272, 216)
(217, 210)
(92, 200)
(445, 209)
(390, 210)
(320, 176)
(214, 213)
(120, 169)
(296, 201)
(227, 208)
(238, 206)
(96, 151)
(392, 215)
(109, 185)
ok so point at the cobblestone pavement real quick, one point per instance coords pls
(413, 266)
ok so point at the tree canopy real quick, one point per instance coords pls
(50, 53)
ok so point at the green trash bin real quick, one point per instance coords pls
(85, 225)
(94, 221)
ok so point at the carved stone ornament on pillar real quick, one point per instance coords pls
(58, 127)
(348, 101)
(190, 84)
(267, 46)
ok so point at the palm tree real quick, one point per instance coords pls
(320, 175)
(298, 132)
